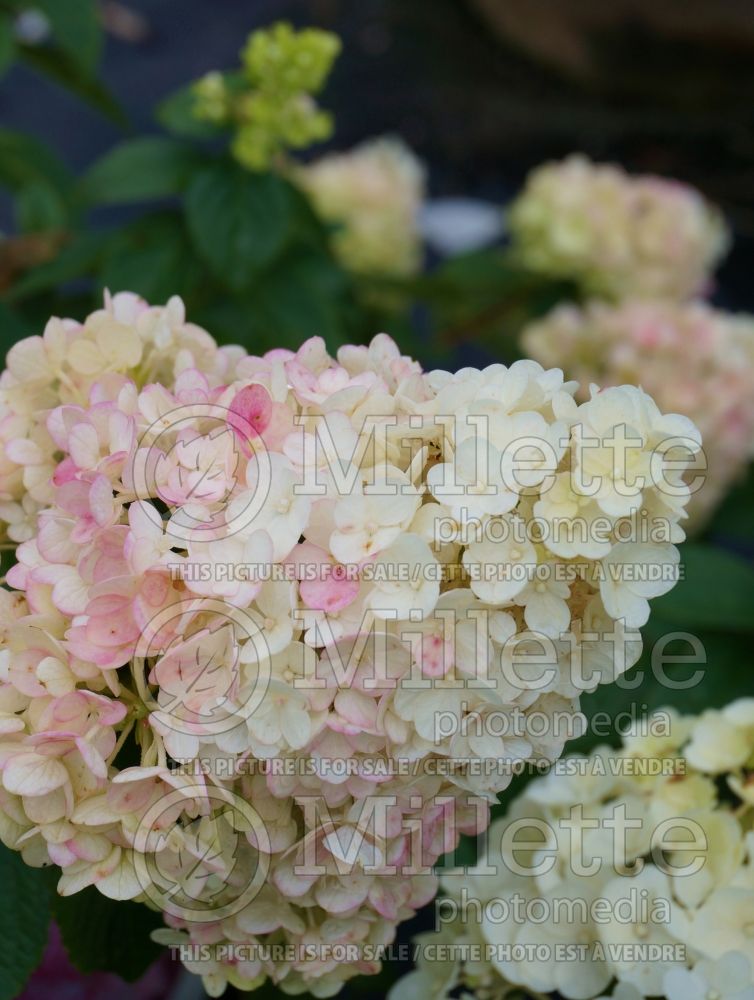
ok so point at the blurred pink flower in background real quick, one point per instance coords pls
(57, 977)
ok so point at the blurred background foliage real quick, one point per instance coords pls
(100, 154)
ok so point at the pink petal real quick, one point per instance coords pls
(250, 411)
(333, 589)
(101, 500)
(65, 471)
(108, 632)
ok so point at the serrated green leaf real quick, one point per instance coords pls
(107, 935)
(239, 222)
(716, 591)
(24, 920)
(140, 169)
(76, 28)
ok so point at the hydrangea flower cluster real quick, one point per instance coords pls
(372, 195)
(691, 358)
(669, 913)
(617, 235)
(268, 650)
(124, 342)
(270, 104)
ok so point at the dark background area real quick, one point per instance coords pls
(482, 89)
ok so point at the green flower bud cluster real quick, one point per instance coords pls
(211, 99)
(287, 61)
(270, 104)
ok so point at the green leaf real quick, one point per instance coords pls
(304, 294)
(486, 298)
(24, 159)
(7, 44)
(39, 207)
(76, 27)
(716, 591)
(711, 676)
(239, 221)
(301, 297)
(150, 167)
(107, 935)
(733, 519)
(63, 69)
(153, 257)
(24, 920)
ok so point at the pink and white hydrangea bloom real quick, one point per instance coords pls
(266, 610)
(690, 358)
(618, 235)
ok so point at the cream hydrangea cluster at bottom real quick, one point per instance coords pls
(663, 908)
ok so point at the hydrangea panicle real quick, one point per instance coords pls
(371, 196)
(690, 358)
(618, 236)
(258, 649)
